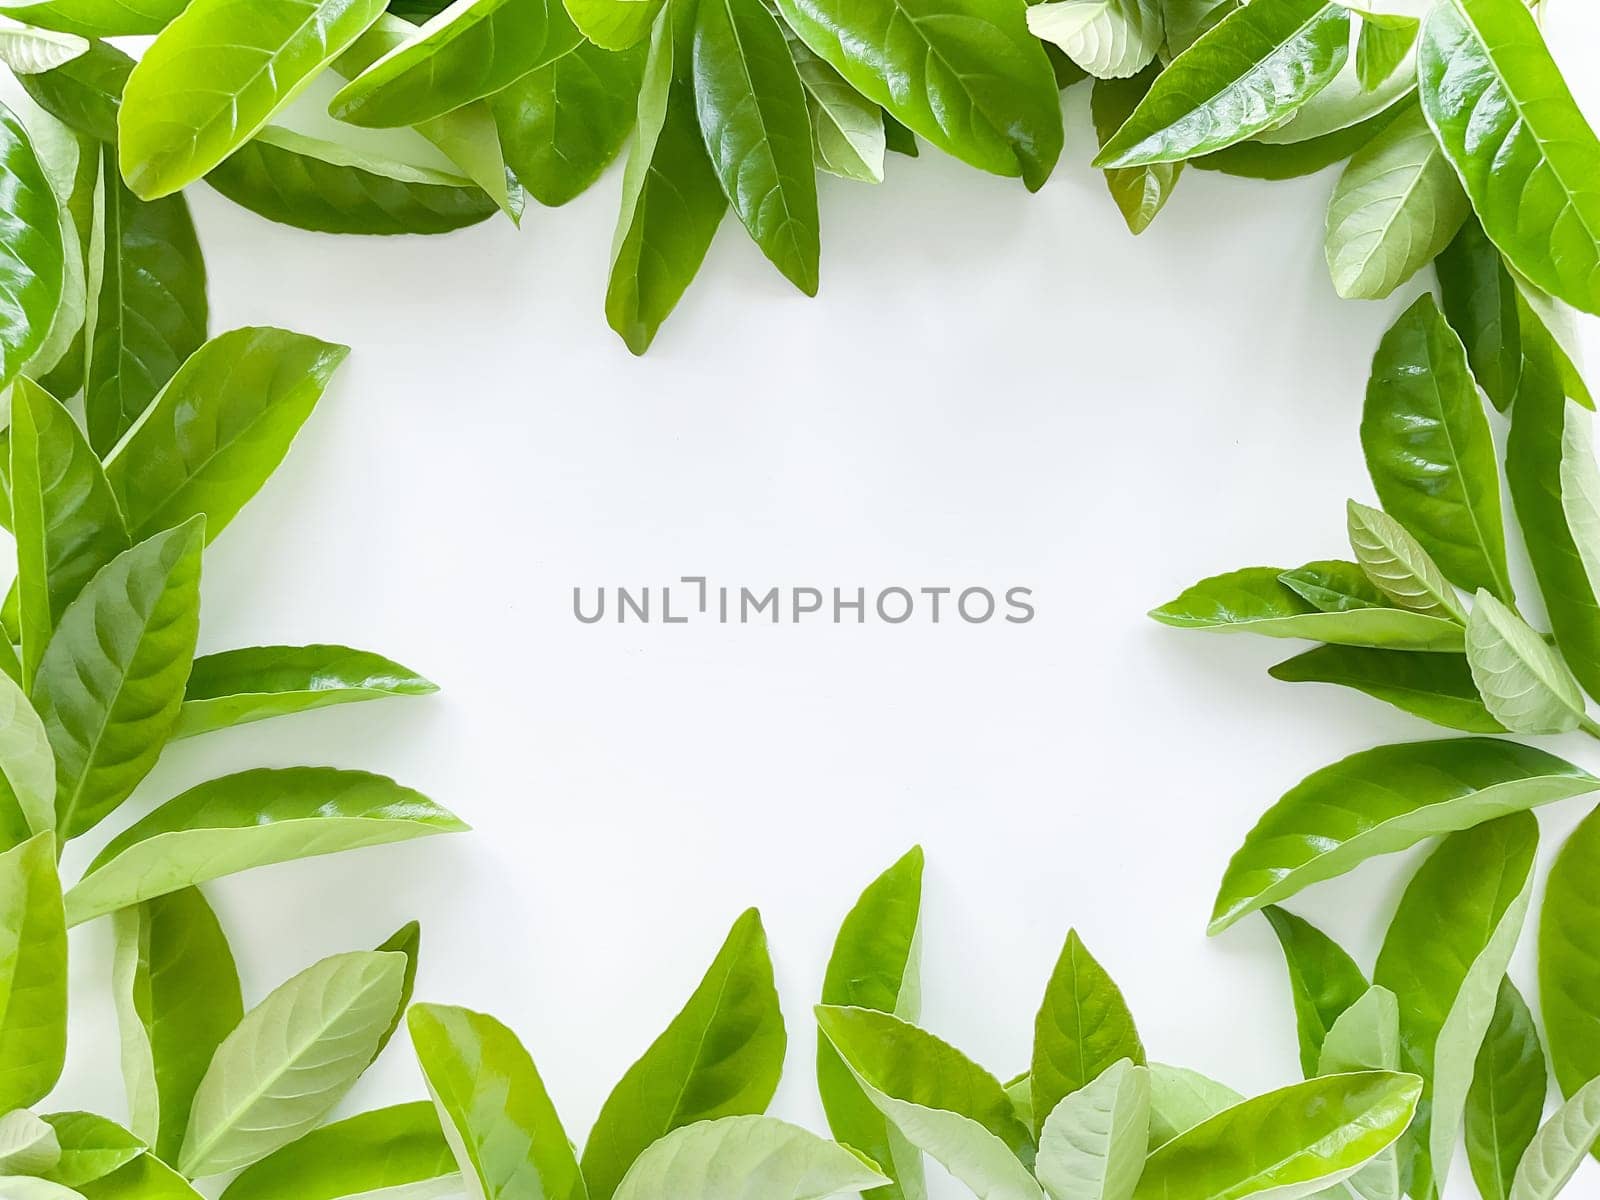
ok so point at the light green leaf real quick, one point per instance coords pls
(1522, 681)
(720, 1056)
(33, 973)
(387, 1148)
(24, 1188)
(1324, 981)
(290, 1060)
(1446, 974)
(1364, 1037)
(111, 679)
(1514, 134)
(1093, 1144)
(220, 427)
(1180, 1099)
(1082, 1028)
(96, 18)
(217, 74)
(1333, 585)
(1506, 1101)
(250, 820)
(1383, 46)
(1396, 562)
(496, 1114)
(847, 130)
(145, 1178)
(1435, 687)
(736, 1157)
(1569, 958)
(28, 1146)
(1110, 39)
(33, 262)
(1479, 299)
(614, 24)
(28, 51)
(1381, 801)
(1559, 1148)
(91, 1147)
(1140, 192)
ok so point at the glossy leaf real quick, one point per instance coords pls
(1479, 299)
(387, 1148)
(1514, 134)
(735, 1157)
(1569, 958)
(28, 51)
(1435, 687)
(33, 973)
(111, 680)
(220, 427)
(27, 769)
(290, 1060)
(97, 18)
(1093, 1144)
(92, 1147)
(1333, 585)
(33, 263)
(1383, 46)
(1560, 1146)
(1323, 981)
(1291, 160)
(494, 1109)
(177, 994)
(406, 940)
(1140, 192)
(1082, 1028)
(1446, 974)
(1506, 1101)
(1253, 69)
(1110, 39)
(250, 820)
(144, 1178)
(614, 24)
(1522, 681)
(1344, 104)
(720, 1056)
(847, 129)
(964, 74)
(1180, 1099)
(28, 1146)
(1381, 801)
(84, 93)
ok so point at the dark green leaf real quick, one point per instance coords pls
(1569, 958)
(1506, 1102)
(1435, 687)
(32, 256)
(1323, 981)
(1139, 192)
(1479, 300)
(86, 92)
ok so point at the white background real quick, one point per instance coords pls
(993, 388)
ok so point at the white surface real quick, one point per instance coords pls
(993, 388)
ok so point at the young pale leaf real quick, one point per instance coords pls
(1569, 958)
(1140, 192)
(496, 1114)
(290, 1060)
(1381, 801)
(250, 820)
(387, 1148)
(220, 427)
(1290, 1142)
(1429, 450)
(614, 24)
(84, 93)
(27, 769)
(1397, 204)
(1560, 1146)
(1479, 299)
(471, 50)
(1110, 39)
(1506, 1100)
(1180, 1099)
(1364, 1037)
(29, 51)
(177, 994)
(1435, 687)
(217, 74)
(91, 1147)
(964, 74)
(942, 1102)
(735, 1157)
(721, 1056)
(1522, 681)
(33, 265)
(847, 129)
(28, 1146)
(26, 1188)
(1082, 1028)
(1249, 72)
(33, 973)
(111, 680)
(1255, 600)
(1514, 135)
(1323, 982)
(236, 687)
(1093, 1144)
(1446, 975)
(874, 965)
(1396, 562)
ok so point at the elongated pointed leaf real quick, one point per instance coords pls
(1396, 562)
(1569, 958)
(1560, 1146)
(92, 1147)
(28, 1146)
(28, 51)
(290, 1060)
(144, 1178)
(1323, 981)
(1366, 1037)
(1140, 192)
(1522, 682)
(1435, 687)
(111, 680)
(1332, 585)
(84, 93)
(97, 18)
(735, 1157)
(387, 1148)
(1479, 299)
(1506, 1101)
(33, 973)
(406, 940)
(720, 1056)
(847, 129)
(1381, 801)
(1261, 159)
(1110, 39)
(1180, 1099)
(27, 769)
(1082, 1028)
(1093, 1144)
(614, 24)
(33, 265)
(249, 820)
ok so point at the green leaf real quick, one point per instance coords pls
(720, 1057)
(469, 51)
(847, 129)
(1479, 299)
(85, 92)
(33, 262)
(672, 202)
(1255, 601)
(562, 124)
(250, 820)
(217, 74)
(112, 677)
(874, 965)
(964, 74)
(66, 519)
(1569, 958)
(314, 184)
(1522, 681)
(1435, 687)
(24, 1188)
(1082, 1028)
(1514, 134)
(1110, 39)
(1506, 1100)
(220, 427)
(1250, 71)
(177, 994)
(1559, 1148)
(1093, 1145)
(1429, 450)
(1446, 974)
(91, 1147)
(494, 1109)
(1381, 801)
(33, 973)
(386, 1148)
(235, 687)
(735, 1157)
(1382, 47)
(1140, 192)
(28, 51)
(1291, 160)
(941, 1101)
(1397, 563)
(151, 311)
(1298, 1138)
(97, 18)
(757, 131)
(1333, 585)
(290, 1060)
(28, 1146)
(1364, 1037)
(614, 24)
(406, 940)
(145, 1178)
(1323, 981)
(1180, 1099)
